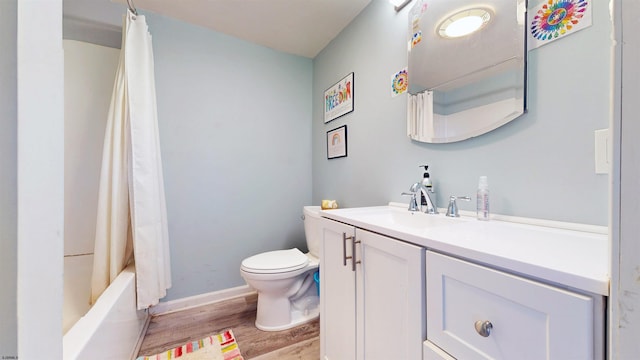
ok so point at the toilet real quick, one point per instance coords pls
(287, 294)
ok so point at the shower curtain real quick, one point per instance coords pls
(132, 219)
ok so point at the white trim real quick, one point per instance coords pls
(398, 5)
(143, 332)
(615, 338)
(597, 229)
(199, 300)
(40, 155)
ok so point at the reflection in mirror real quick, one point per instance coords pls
(467, 67)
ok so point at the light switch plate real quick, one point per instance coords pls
(602, 151)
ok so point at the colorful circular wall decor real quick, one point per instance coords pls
(400, 82)
(556, 17)
(416, 38)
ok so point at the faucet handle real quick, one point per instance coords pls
(413, 203)
(452, 210)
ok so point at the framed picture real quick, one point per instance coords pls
(338, 99)
(337, 142)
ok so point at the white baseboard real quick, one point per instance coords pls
(199, 300)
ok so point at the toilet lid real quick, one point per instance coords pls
(276, 261)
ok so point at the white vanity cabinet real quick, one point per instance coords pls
(475, 312)
(434, 287)
(373, 309)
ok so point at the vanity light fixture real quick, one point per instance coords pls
(464, 23)
(399, 4)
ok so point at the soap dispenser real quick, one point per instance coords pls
(426, 182)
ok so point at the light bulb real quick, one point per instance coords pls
(464, 23)
(463, 26)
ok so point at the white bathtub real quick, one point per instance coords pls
(112, 327)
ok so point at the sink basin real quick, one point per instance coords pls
(404, 218)
(394, 217)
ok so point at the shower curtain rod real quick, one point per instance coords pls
(132, 7)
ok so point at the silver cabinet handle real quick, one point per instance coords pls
(353, 254)
(344, 248)
(484, 327)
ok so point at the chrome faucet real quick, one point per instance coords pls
(416, 189)
(429, 208)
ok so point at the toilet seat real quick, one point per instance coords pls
(278, 261)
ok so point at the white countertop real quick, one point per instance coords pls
(576, 259)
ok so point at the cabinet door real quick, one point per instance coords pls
(337, 293)
(391, 286)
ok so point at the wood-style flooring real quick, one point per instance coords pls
(167, 331)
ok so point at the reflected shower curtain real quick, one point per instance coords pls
(132, 218)
(420, 116)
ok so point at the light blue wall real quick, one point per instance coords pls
(8, 178)
(541, 165)
(235, 129)
(243, 140)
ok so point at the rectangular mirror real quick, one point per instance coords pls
(464, 85)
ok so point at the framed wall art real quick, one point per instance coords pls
(338, 99)
(337, 142)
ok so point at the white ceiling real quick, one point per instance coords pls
(300, 27)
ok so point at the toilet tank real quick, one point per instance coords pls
(313, 229)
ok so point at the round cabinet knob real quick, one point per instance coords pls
(484, 328)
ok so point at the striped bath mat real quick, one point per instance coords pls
(222, 346)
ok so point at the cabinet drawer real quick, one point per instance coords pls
(529, 320)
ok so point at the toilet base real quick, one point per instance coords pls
(286, 304)
(298, 317)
